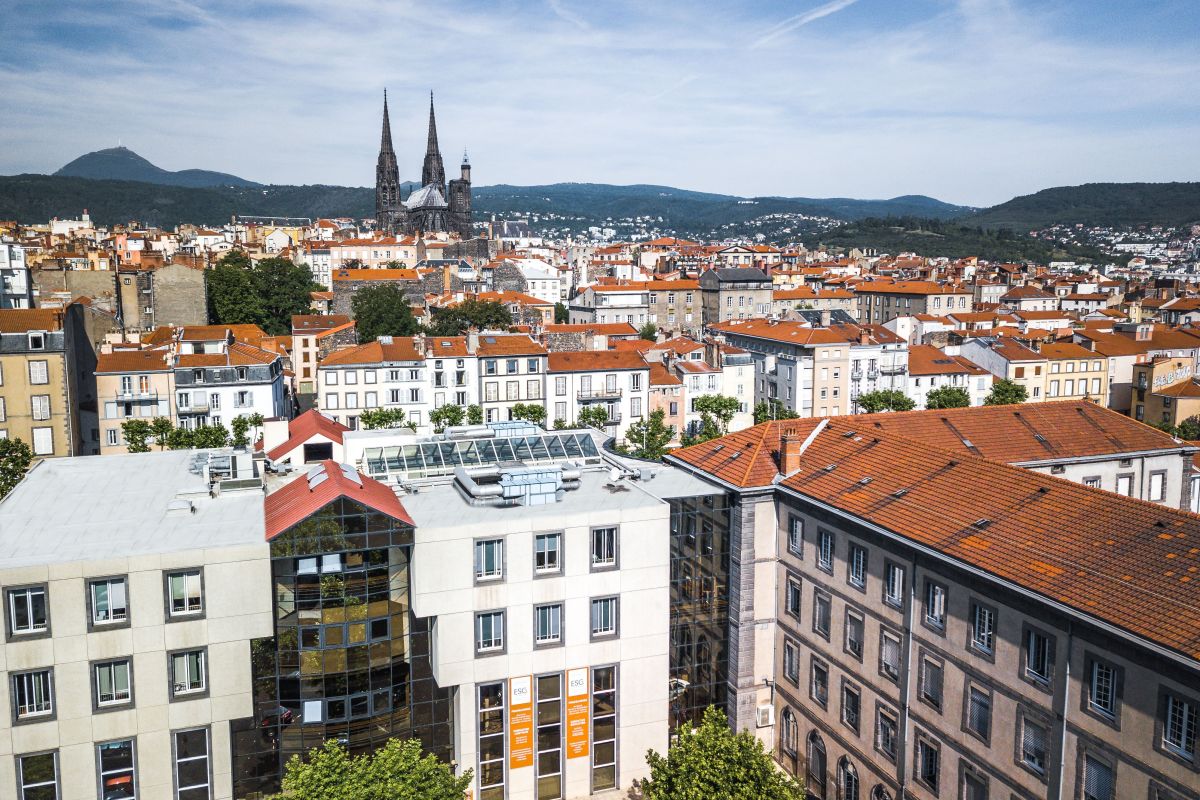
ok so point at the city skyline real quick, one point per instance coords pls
(971, 102)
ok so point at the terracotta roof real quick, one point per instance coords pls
(512, 297)
(375, 275)
(694, 366)
(305, 427)
(314, 323)
(680, 344)
(808, 293)
(595, 361)
(248, 333)
(237, 355)
(1119, 560)
(1181, 389)
(1123, 343)
(1055, 351)
(661, 376)
(498, 344)
(647, 286)
(908, 287)
(132, 361)
(636, 345)
(400, 349)
(802, 334)
(20, 320)
(300, 499)
(600, 328)
(924, 359)
(1026, 293)
(446, 346)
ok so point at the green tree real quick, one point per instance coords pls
(592, 417)
(160, 429)
(712, 761)
(560, 424)
(482, 314)
(240, 427)
(530, 412)
(1189, 429)
(210, 436)
(181, 439)
(1165, 427)
(561, 315)
(716, 412)
(382, 311)
(396, 771)
(649, 332)
(1005, 392)
(376, 418)
(15, 458)
(266, 294)
(136, 432)
(447, 416)
(474, 414)
(947, 397)
(650, 436)
(772, 409)
(230, 289)
(885, 400)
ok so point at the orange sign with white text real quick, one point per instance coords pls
(578, 706)
(520, 722)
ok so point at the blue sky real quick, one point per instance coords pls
(971, 101)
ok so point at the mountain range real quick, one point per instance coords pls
(117, 185)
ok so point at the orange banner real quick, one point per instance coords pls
(578, 705)
(520, 722)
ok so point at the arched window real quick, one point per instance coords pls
(880, 793)
(847, 780)
(788, 732)
(815, 778)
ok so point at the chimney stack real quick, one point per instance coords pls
(864, 335)
(472, 340)
(791, 448)
(826, 317)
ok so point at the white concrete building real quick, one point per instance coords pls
(16, 289)
(616, 380)
(390, 372)
(929, 368)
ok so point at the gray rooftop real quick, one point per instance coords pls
(96, 507)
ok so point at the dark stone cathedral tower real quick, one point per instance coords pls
(436, 206)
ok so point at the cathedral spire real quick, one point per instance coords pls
(385, 142)
(431, 146)
(387, 178)
(432, 172)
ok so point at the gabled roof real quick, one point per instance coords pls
(315, 323)
(376, 275)
(401, 348)
(324, 483)
(20, 320)
(306, 426)
(499, 344)
(599, 328)
(132, 361)
(595, 361)
(924, 359)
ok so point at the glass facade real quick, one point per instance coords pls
(349, 661)
(699, 605)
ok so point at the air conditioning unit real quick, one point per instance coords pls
(765, 716)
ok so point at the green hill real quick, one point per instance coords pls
(121, 163)
(1108, 204)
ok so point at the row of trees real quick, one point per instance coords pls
(141, 434)
(385, 311)
(704, 762)
(1188, 430)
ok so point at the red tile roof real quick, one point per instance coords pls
(314, 323)
(924, 359)
(596, 361)
(20, 320)
(303, 497)
(400, 349)
(306, 426)
(132, 361)
(599, 328)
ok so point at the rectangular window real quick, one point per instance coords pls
(549, 737)
(851, 706)
(795, 535)
(889, 656)
(33, 694)
(886, 733)
(822, 610)
(43, 441)
(854, 635)
(547, 553)
(489, 559)
(1098, 781)
(547, 624)
(792, 600)
(37, 777)
(820, 683)
(116, 763)
(192, 775)
(1033, 745)
(928, 767)
(1038, 656)
(560, 386)
(983, 628)
(510, 366)
(1102, 694)
(186, 593)
(491, 741)
(113, 686)
(604, 548)
(1158, 491)
(979, 712)
(893, 589)
(791, 661)
(39, 374)
(27, 611)
(931, 683)
(604, 728)
(188, 673)
(935, 605)
(974, 785)
(604, 616)
(825, 550)
(857, 566)
(1179, 730)
(41, 406)
(489, 631)
(108, 601)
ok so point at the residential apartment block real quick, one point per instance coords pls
(617, 381)
(882, 301)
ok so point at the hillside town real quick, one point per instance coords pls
(541, 499)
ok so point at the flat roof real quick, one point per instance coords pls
(97, 507)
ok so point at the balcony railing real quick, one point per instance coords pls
(198, 407)
(598, 394)
(894, 369)
(613, 418)
(131, 395)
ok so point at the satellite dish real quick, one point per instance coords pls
(614, 474)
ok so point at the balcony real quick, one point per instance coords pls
(132, 396)
(198, 407)
(613, 419)
(856, 374)
(893, 369)
(598, 394)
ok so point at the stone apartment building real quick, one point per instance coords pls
(132, 384)
(730, 293)
(315, 336)
(1165, 390)
(882, 301)
(901, 631)
(616, 380)
(145, 297)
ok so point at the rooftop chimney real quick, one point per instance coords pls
(826, 317)
(791, 447)
(864, 335)
(472, 340)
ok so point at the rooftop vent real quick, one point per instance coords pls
(981, 523)
(865, 480)
(899, 493)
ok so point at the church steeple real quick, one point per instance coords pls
(387, 177)
(432, 172)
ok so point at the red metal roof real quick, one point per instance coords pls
(305, 496)
(306, 426)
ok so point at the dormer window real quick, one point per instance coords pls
(198, 375)
(37, 341)
(241, 373)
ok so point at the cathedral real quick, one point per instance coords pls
(437, 206)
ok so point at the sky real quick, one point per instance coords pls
(969, 101)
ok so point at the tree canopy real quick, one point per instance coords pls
(716, 412)
(375, 418)
(885, 400)
(649, 332)
(592, 416)
(446, 416)
(650, 436)
(712, 761)
(1005, 392)
(266, 294)
(382, 311)
(948, 397)
(530, 412)
(15, 458)
(396, 771)
(772, 409)
(482, 314)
